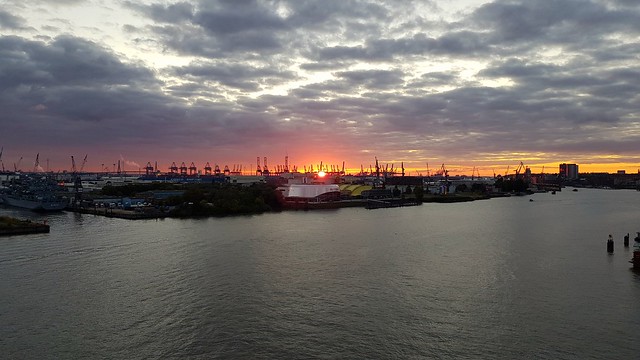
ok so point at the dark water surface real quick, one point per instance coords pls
(502, 278)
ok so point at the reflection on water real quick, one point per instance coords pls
(503, 278)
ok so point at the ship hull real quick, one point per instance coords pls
(34, 205)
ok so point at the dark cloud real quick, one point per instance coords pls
(243, 77)
(217, 28)
(173, 13)
(9, 21)
(66, 61)
(554, 22)
(373, 79)
(67, 80)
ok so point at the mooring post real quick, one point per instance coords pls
(610, 244)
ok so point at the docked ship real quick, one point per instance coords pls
(37, 193)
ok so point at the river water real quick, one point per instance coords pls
(502, 278)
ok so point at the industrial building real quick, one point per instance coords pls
(568, 171)
(310, 193)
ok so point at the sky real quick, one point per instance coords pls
(465, 83)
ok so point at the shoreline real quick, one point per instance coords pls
(301, 205)
(11, 226)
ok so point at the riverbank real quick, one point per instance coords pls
(13, 226)
(154, 213)
(452, 198)
(150, 213)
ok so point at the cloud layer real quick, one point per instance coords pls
(460, 82)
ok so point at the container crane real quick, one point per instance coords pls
(149, 168)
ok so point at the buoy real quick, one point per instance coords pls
(626, 240)
(610, 244)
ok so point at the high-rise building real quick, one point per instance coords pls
(568, 171)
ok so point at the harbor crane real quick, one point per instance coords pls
(36, 163)
(84, 162)
(519, 169)
(16, 166)
(149, 168)
(77, 182)
(443, 171)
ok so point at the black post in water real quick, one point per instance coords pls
(626, 240)
(610, 245)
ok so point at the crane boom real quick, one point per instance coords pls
(16, 167)
(36, 163)
(84, 162)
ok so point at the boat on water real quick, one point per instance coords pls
(34, 192)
